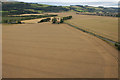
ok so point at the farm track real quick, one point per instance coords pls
(48, 50)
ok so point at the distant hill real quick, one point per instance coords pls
(105, 4)
(94, 9)
(10, 8)
(15, 8)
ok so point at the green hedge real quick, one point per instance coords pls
(44, 20)
(66, 18)
(12, 19)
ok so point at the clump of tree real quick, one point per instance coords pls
(117, 44)
(58, 20)
(61, 21)
(44, 20)
(54, 20)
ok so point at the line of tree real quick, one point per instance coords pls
(100, 14)
(57, 20)
(67, 17)
(12, 21)
(117, 44)
(60, 20)
(18, 19)
(44, 20)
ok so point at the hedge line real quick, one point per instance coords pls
(18, 19)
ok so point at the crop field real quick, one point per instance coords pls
(32, 21)
(48, 50)
(56, 41)
(36, 14)
(104, 26)
(10, 19)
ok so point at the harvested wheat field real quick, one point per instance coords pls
(32, 21)
(102, 25)
(48, 50)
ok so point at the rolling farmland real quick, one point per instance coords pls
(48, 50)
(104, 26)
(48, 41)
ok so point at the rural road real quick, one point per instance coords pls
(55, 51)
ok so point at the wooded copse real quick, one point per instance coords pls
(60, 20)
(55, 20)
(44, 20)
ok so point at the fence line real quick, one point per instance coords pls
(110, 41)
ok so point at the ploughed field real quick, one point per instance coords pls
(48, 50)
(104, 26)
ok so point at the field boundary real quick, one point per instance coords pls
(110, 41)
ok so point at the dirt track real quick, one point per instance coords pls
(55, 51)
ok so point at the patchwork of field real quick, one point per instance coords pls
(104, 26)
(26, 14)
(48, 50)
(36, 14)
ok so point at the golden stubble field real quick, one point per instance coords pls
(48, 50)
(104, 26)
(32, 21)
